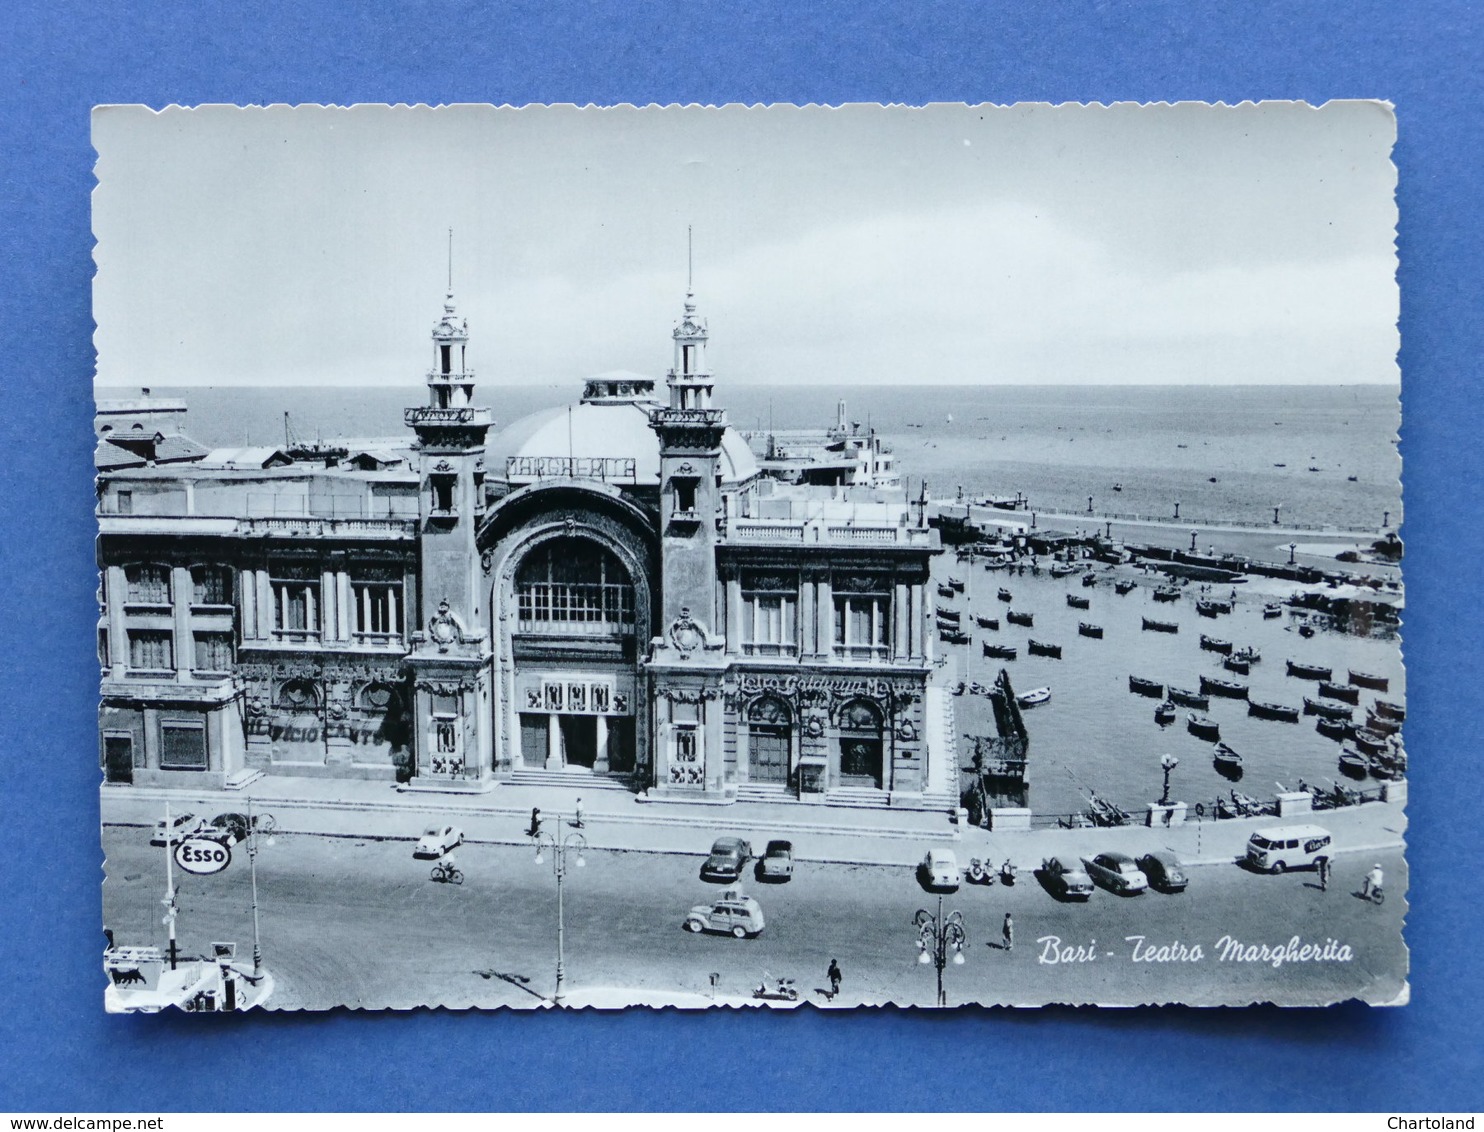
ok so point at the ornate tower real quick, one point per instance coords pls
(687, 661)
(450, 657)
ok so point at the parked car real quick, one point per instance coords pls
(228, 829)
(1065, 875)
(939, 870)
(438, 840)
(1117, 873)
(181, 827)
(778, 862)
(729, 856)
(1164, 870)
(732, 912)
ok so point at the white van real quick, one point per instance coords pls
(1288, 847)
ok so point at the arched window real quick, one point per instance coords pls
(860, 741)
(769, 740)
(769, 710)
(376, 696)
(299, 694)
(574, 586)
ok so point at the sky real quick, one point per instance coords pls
(1167, 244)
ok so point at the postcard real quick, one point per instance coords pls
(749, 556)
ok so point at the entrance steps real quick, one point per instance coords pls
(576, 778)
(846, 797)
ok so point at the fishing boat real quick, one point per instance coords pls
(1228, 688)
(1308, 671)
(1353, 763)
(1154, 626)
(1306, 630)
(1004, 594)
(1062, 569)
(987, 622)
(1167, 593)
(1226, 758)
(1336, 729)
(1346, 692)
(1369, 680)
(1203, 727)
(1164, 715)
(1141, 687)
(1248, 806)
(1087, 629)
(1125, 586)
(1033, 697)
(1248, 654)
(1328, 711)
(1089, 579)
(1386, 768)
(1379, 725)
(1208, 608)
(1281, 712)
(956, 585)
(945, 590)
(949, 615)
(1369, 741)
(953, 636)
(1105, 813)
(1187, 698)
(1026, 620)
(1000, 652)
(1388, 710)
(1216, 644)
(1076, 601)
(1240, 667)
(1041, 648)
(1272, 610)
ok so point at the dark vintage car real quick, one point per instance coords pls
(1117, 872)
(1066, 878)
(729, 856)
(1164, 870)
(230, 828)
(778, 862)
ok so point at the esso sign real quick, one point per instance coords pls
(201, 855)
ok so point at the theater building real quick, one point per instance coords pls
(611, 590)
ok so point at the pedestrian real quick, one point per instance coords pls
(535, 830)
(1323, 874)
(577, 819)
(833, 974)
(1008, 932)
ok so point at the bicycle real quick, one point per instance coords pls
(1375, 895)
(446, 872)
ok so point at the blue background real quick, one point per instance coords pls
(60, 57)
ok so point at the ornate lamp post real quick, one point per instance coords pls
(1167, 763)
(1192, 540)
(252, 861)
(560, 846)
(935, 936)
(1293, 546)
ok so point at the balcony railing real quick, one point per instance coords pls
(823, 532)
(315, 527)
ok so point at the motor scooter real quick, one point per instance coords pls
(784, 990)
(1007, 872)
(980, 872)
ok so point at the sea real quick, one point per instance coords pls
(1325, 456)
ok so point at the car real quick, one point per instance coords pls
(732, 912)
(1065, 875)
(1164, 870)
(939, 870)
(438, 840)
(230, 828)
(1117, 872)
(729, 856)
(1281, 847)
(778, 862)
(181, 827)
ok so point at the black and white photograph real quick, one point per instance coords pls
(749, 556)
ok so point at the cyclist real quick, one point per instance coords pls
(1372, 883)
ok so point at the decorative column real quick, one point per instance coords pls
(117, 591)
(181, 589)
(247, 592)
(735, 633)
(901, 645)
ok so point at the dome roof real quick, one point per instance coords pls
(605, 436)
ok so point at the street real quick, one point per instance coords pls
(359, 923)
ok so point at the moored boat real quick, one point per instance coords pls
(1186, 698)
(1353, 763)
(956, 585)
(1123, 587)
(948, 614)
(945, 590)
(1225, 756)
(1004, 594)
(1328, 711)
(1369, 741)
(1167, 593)
(1141, 687)
(1271, 610)
(1164, 715)
(1240, 667)
(1041, 648)
(1308, 671)
(1306, 630)
(1346, 692)
(1249, 654)
(1388, 710)
(1231, 689)
(1380, 725)
(1207, 608)
(1281, 712)
(1062, 569)
(1033, 697)
(1336, 729)
(1000, 652)
(1369, 680)
(1023, 619)
(1216, 644)
(1154, 626)
(1089, 579)
(1089, 630)
(986, 622)
(1076, 601)
(953, 636)
(1203, 727)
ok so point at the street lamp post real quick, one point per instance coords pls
(935, 935)
(1293, 546)
(252, 863)
(559, 847)
(172, 909)
(1192, 540)
(1167, 764)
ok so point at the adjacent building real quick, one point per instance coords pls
(624, 594)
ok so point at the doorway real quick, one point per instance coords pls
(579, 740)
(118, 758)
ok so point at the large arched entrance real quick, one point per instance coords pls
(860, 744)
(769, 740)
